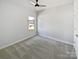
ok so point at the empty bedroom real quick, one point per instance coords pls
(38, 29)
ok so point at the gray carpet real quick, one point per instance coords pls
(38, 48)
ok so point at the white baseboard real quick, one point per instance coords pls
(47, 36)
(29, 36)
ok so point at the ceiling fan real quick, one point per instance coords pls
(36, 4)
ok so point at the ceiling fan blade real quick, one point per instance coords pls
(42, 5)
(32, 3)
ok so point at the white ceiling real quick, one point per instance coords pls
(54, 3)
(48, 3)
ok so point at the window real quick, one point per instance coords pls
(31, 23)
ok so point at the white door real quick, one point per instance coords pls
(76, 25)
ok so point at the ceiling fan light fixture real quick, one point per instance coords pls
(37, 4)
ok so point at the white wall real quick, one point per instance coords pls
(57, 22)
(13, 20)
